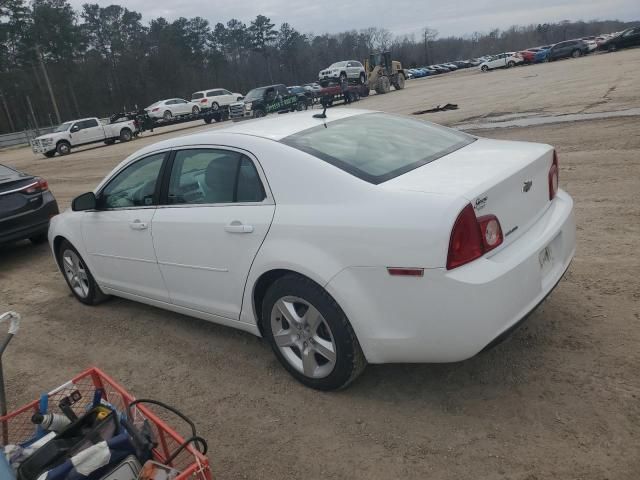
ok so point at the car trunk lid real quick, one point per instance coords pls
(501, 178)
(13, 199)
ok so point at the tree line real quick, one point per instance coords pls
(57, 63)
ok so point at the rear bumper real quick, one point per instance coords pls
(29, 224)
(449, 316)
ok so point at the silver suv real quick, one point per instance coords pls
(351, 69)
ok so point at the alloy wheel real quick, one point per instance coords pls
(76, 273)
(303, 337)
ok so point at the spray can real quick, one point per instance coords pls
(51, 421)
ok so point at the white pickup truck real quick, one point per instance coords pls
(82, 132)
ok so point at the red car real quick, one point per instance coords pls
(528, 54)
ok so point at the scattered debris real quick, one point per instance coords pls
(439, 108)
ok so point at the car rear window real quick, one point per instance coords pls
(6, 171)
(377, 147)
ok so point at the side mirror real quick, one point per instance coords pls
(75, 128)
(86, 201)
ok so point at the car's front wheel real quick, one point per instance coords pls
(78, 276)
(576, 53)
(484, 68)
(310, 334)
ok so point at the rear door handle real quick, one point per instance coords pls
(238, 227)
(138, 225)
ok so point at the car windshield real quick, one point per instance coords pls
(63, 127)
(338, 65)
(256, 93)
(197, 95)
(377, 147)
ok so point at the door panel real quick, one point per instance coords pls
(205, 252)
(121, 251)
(209, 233)
(118, 236)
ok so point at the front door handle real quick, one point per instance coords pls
(238, 227)
(138, 225)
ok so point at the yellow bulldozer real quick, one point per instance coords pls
(382, 72)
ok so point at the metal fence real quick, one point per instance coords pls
(22, 138)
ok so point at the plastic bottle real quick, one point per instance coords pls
(51, 421)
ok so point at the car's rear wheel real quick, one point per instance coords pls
(63, 147)
(310, 334)
(195, 110)
(78, 276)
(215, 106)
(511, 64)
(362, 78)
(167, 115)
(576, 53)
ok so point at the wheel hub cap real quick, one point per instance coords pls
(76, 273)
(303, 337)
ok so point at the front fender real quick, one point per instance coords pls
(68, 225)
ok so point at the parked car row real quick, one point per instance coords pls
(545, 53)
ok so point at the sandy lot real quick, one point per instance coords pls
(560, 399)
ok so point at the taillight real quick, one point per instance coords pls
(39, 186)
(465, 244)
(155, 109)
(472, 237)
(204, 100)
(553, 177)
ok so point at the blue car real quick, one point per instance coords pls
(542, 55)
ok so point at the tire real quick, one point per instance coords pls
(84, 287)
(195, 110)
(484, 68)
(576, 54)
(259, 113)
(546, 59)
(208, 120)
(215, 106)
(63, 147)
(125, 135)
(167, 115)
(342, 75)
(399, 85)
(109, 141)
(300, 106)
(38, 239)
(612, 48)
(511, 64)
(384, 86)
(362, 78)
(341, 360)
(50, 154)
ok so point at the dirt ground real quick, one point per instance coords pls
(559, 400)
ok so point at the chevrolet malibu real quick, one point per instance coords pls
(357, 238)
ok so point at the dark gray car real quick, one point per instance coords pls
(570, 48)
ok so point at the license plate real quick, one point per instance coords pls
(545, 258)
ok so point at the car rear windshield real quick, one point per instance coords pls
(377, 147)
(197, 95)
(6, 171)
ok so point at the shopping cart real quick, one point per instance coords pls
(172, 449)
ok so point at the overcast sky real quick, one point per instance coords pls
(449, 17)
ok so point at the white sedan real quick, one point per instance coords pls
(362, 237)
(173, 107)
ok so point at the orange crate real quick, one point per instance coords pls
(17, 426)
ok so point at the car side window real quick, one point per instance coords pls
(282, 90)
(204, 176)
(226, 92)
(89, 123)
(134, 186)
